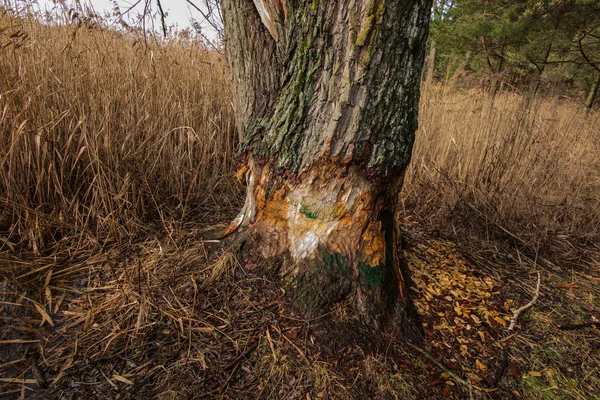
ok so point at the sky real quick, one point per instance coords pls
(178, 12)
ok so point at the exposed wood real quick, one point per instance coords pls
(333, 222)
(273, 14)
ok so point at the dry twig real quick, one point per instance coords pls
(513, 322)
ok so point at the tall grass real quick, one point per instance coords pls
(503, 168)
(103, 132)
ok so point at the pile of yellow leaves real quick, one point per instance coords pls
(461, 309)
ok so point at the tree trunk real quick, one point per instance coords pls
(438, 11)
(537, 76)
(591, 97)
(326, 96)
(431, 62)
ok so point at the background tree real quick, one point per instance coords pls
(519, 42)
(326, 97)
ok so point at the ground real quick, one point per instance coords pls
(176, 318)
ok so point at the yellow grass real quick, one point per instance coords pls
(102, 132)
(529, 173)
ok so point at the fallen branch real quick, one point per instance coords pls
(513, 322)
(572, 327)
(512, 326)
(502, 370)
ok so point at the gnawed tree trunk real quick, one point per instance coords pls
(326, 96)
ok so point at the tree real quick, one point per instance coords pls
(438, 12)
(326, 97)
(523, 40)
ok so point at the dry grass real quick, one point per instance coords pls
(502, 169)
(116, 153)
(102, 133)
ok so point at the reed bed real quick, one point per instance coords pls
(104, 133)
(504, 169)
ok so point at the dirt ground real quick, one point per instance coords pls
(178, 318)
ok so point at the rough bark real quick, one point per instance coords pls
(431, 62)
(326, 96)
(591, 97)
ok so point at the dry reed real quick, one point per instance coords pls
(502, 169)
(103, 133)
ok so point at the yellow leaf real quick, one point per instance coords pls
(500, 321)
(474, 378)
(534, 373)
(457, 308)
(480, 365)
(481, 335)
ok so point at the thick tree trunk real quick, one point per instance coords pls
(326, 96)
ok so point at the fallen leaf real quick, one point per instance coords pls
(480, 365)
(566, 286)
(292, 335)
(513, 370)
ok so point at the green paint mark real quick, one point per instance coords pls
(370, 277)
(334, 262)
(307, 213)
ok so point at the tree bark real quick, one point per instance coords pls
(537, 76)
(438, 11)
(591, 97)
(326, 96)
(431, 62)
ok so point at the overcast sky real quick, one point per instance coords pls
(178, 12)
